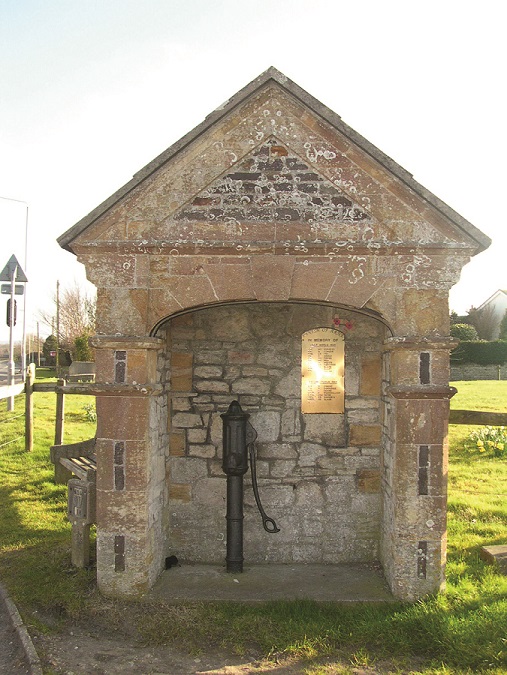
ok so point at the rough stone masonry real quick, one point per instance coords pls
(272, 218)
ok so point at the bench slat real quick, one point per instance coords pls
(84, 468)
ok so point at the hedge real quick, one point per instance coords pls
(481, 352)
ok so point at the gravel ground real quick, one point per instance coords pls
(80, 653)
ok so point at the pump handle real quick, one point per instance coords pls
(268, 523)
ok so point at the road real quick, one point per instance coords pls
(4, 373)
(3, 369)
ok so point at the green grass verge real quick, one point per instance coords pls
(45, 374)
(461, 631)
(34, 531)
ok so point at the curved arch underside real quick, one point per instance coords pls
(336, 306)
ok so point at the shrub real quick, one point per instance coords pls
(90, 414)
(483, 353)
(464, 331)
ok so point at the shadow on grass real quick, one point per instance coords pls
(35, 549)
(457, 634)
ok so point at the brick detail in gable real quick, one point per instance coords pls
(272, 184)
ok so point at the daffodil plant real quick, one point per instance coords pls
(488, 440)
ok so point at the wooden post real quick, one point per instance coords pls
(60, 413)
(81, 512)
(80, 543)
(30, 377)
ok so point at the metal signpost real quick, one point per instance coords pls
(12, 272)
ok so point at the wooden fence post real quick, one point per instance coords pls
(60, 412)
(30, 377)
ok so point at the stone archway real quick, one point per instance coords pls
(320, 473)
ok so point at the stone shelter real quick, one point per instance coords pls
(268, 221)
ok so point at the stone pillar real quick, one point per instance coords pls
(131, 439)
(416, 400)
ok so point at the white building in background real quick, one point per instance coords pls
(498, 304)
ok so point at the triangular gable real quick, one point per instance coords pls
(117, 220)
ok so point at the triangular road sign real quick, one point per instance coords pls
(6, 273)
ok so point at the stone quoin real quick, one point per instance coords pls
(271, 219)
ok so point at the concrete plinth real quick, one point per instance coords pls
(496, 554)
(262, 583)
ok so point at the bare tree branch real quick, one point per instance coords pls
(77, 316)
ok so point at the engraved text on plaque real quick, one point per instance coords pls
(322, 371)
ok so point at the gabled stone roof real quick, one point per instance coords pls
(460, 223)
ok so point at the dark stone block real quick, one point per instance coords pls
(119, 478)
(245, 176)
(287, 214)
(358, 215)
(119, 453)
(341, 201)
(295, 164)
(309, 177)
(193, 214)
(119, 553)
(308, 187)
(206, 201)
(273, 165)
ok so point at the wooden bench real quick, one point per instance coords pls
(79, 460)
(84, 468)
(74, 459)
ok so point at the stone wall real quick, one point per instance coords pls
(414, 470)
(474, 371)
(319, 474)
(131, 449)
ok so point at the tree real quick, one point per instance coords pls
(464, 331)
(456, 318)
(73, 318)
(503, 327)
(49, 350)
(82, 349)
(484, 321)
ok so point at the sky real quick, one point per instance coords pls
(92, 90)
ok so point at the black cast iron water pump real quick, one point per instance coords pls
(238, 444)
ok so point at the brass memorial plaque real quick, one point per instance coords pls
(322, 370)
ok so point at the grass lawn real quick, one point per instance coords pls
(461, 631)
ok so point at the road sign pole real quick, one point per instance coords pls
(13, 270)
